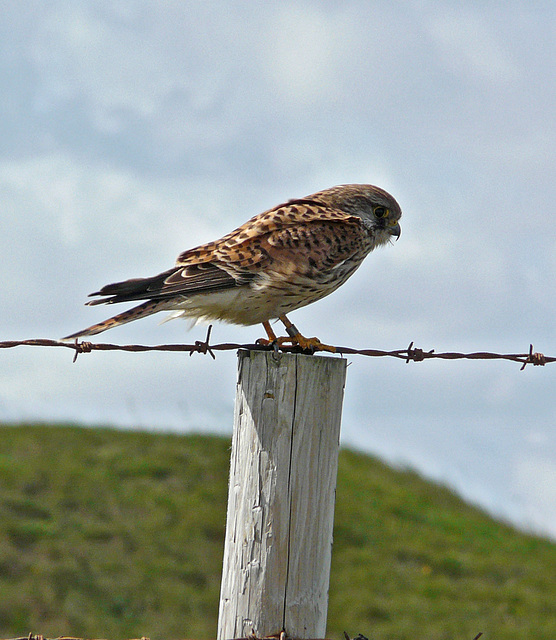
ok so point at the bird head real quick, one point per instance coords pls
(378, 210)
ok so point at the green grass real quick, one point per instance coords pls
(119, 534)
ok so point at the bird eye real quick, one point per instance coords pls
(380, 212)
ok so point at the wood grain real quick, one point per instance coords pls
(283, 471)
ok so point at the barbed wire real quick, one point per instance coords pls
(409, 354)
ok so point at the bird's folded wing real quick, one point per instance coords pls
(318, 248)
(292, 214)
(302, 233)
(309, 248)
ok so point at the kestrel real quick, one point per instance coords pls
(278, 261)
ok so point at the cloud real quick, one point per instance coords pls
(535, 487)
(69, 228)
(132, 132)
(305, 50)
(468, 42)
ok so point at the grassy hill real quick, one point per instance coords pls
(117, 534)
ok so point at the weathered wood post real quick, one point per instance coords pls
(281, 496)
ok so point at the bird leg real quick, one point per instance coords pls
(291, 329)
(271, 335)
(295, 337)
(272, 340)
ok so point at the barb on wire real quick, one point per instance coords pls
(203, 347)
(410, 354)
(417, 355)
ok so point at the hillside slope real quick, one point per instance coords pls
(119, 534)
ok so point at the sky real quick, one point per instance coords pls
(133, 130)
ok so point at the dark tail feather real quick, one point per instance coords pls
(134, 289)
(142, 310)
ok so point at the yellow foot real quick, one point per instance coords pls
(306, 344)
(311, 344)
(294, 338)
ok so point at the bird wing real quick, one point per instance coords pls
(317, 249)
(243, 252)
(239, 257)
(292, 214)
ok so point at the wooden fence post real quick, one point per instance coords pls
(281, 497)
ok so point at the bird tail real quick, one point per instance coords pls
(146, 309)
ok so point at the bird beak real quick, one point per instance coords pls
(395, 230)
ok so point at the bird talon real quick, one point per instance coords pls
(265, 342)
(307, 345)
(312, 345)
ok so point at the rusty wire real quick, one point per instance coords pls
(409, 354)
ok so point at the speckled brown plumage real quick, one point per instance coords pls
(278, 261)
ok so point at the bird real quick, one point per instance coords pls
(278, 261)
